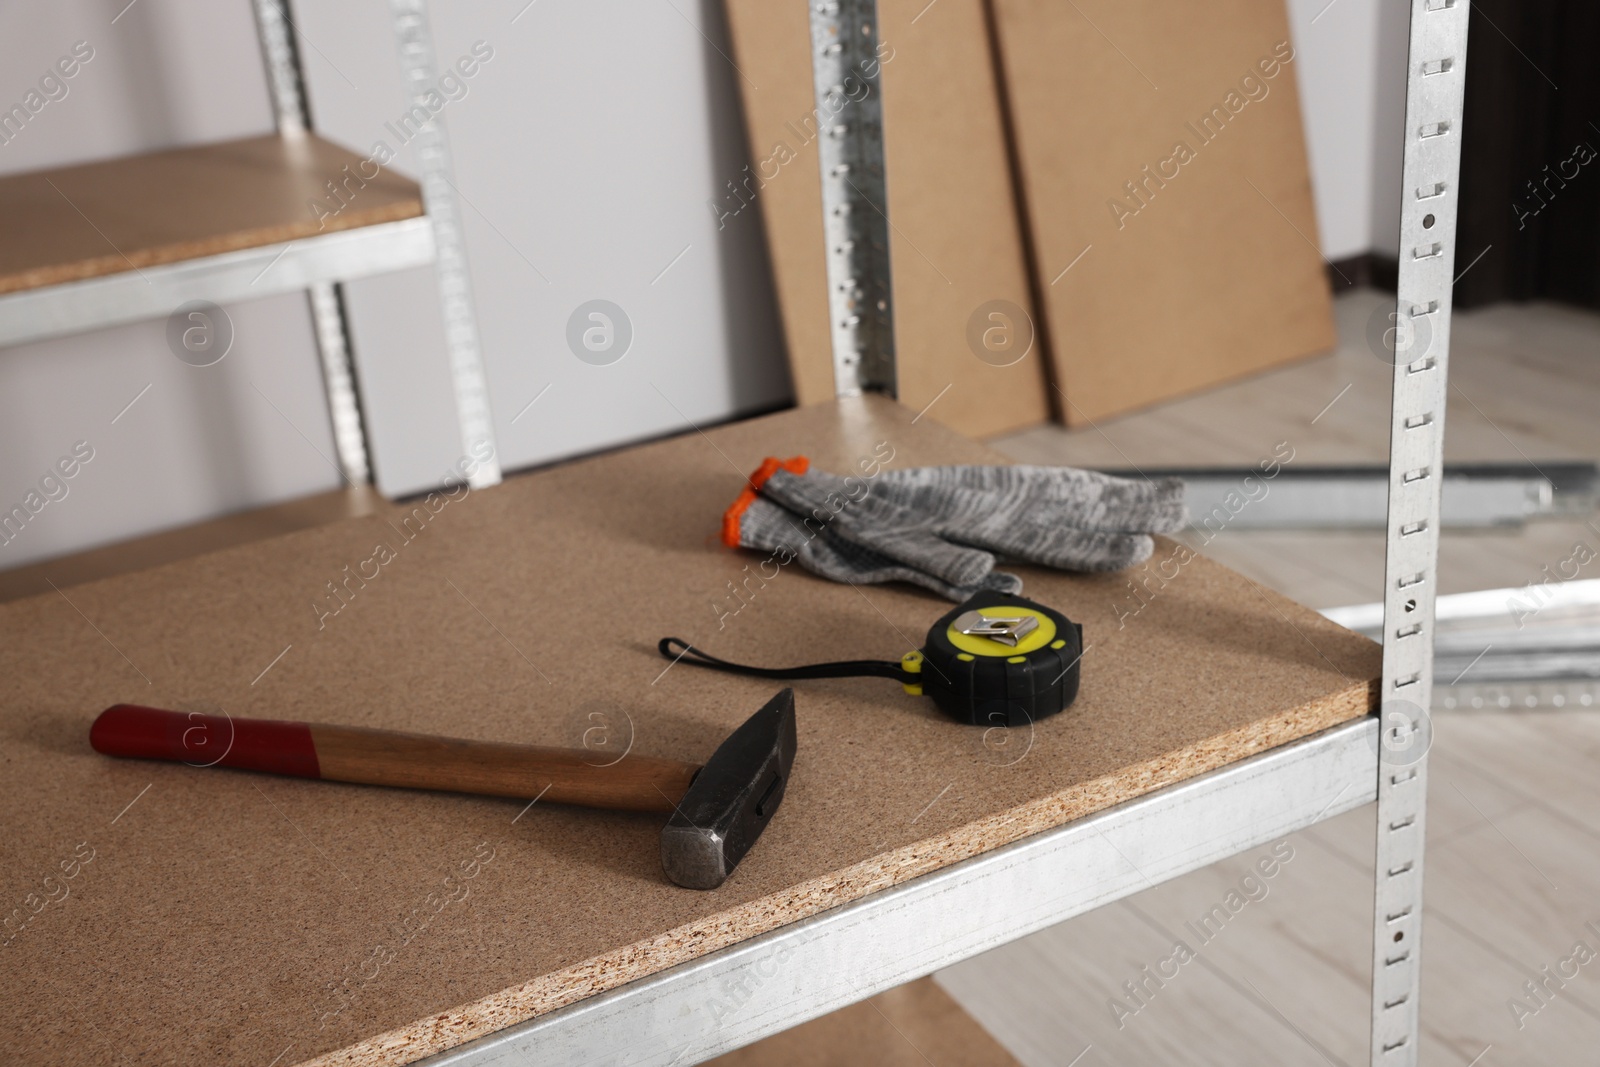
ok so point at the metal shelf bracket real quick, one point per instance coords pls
(1435, 94)
(455, 288)
(415, 44)
(855, 222)
(287, 88)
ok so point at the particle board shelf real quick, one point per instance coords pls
(228, 917)
(114, 241)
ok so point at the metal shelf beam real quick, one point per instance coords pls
(152, 292)
(729, 998)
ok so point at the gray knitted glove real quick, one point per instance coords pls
(1055, 516)
(951, 522)
(1086, 500)
(773, 528)
(945, 525)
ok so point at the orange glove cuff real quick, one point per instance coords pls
(769, 466)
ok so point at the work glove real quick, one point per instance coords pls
(943, 527)
(759, 523)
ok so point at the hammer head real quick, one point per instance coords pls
(731, 799)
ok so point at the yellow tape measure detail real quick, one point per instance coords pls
(911, 663)
(988, 646)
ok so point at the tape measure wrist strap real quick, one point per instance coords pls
(855, 668)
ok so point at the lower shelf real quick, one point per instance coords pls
(738, 995)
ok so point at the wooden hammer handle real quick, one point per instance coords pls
(386, 757)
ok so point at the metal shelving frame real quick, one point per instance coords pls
(314, 264)
(740, 994)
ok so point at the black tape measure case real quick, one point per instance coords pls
(999, 660)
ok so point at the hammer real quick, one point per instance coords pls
(718, 810)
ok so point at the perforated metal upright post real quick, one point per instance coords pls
(282, 59)
(1435, 92)
(855, 204)
(439, 199)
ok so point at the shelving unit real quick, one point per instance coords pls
(869, 943)
(134, 238)
(846, 954)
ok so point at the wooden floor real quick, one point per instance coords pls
(1513, 864)
(1524, 386)
(1513, 875)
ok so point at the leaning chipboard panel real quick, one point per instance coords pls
(962, 307)
(1164, 175)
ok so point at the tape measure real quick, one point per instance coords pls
(997, 660)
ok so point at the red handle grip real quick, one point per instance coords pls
(206, 740)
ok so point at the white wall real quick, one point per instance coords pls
(587, 146)
(1350, 57)
(586, 149)
(1388, 127)
(200, 441)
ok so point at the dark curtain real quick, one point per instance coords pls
(1530, 166)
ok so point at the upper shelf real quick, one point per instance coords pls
(102, 218)
(114, 241)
